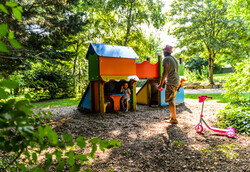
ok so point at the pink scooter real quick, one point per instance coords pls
(230, 131)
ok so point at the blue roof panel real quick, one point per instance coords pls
(116, 51)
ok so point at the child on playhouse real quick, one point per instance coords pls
(126, 97)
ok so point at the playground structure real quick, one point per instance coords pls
(110, 66)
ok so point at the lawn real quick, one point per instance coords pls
(216, 96)
(221, 77)
(57, 103)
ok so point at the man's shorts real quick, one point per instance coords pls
(170, 94)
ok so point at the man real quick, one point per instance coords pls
(171, 73)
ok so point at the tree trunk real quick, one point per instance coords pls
(75, 60)
(129, 24)
(211, 64)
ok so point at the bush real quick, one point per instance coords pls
(197, 63)
(46, 82)
(238, 82)
(195, 75)
(28, 143)
(237, 115)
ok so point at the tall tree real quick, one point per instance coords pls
(44, 33)
(203, 27)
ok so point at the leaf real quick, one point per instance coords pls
(3, 29)
(38, 170)
(48, 160)
(34, 157)
(81, 142)
(3, 47)
(3, 94)
(2, 7)
(11, 35)
(75, 168)
(14, 43)
(58, 155)
(66, 137)
(87, 170)
(82, 157)
(17, 13)
(41, 131)
(60, 166)
(95, 140)
(70, 159)
(9, 84)
(94, 149)
(11, 3)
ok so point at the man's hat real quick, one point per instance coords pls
(168, 49)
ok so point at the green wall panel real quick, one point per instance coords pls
(93, 67)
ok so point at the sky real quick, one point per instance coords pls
(165, 38)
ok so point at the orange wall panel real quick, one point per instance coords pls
(117, 66)
(147, 70)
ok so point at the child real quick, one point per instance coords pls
(126, 97)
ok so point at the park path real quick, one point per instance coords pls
(203, 91)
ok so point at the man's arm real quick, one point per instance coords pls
(164, 75)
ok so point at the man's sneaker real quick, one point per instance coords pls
(126, 109)
(172, 121)
(167, 118)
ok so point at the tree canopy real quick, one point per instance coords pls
(204, 27)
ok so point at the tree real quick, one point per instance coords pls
(203, 26)
(45, 32)
(120, 19)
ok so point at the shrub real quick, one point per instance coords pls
(46, 82)
(25, 138)
(237, 115)
(238, 82)
(197, 63)
(195, 75)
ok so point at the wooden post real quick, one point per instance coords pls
(101, 96)
(92, 107)
(149, 93)
(159, 78)
(134, 95)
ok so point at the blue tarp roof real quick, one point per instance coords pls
(104, 50)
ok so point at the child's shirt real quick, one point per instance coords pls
(126, 93)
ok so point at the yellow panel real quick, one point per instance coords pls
(134, 96)
(108, 78)
(142, 96)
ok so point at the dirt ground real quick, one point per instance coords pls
(150, 144)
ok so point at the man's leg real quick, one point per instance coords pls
(172, 109)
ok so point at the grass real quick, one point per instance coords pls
(221, 77)
(57, 103)
(216, 96)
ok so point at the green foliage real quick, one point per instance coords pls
(46, 82)
(238, 82)
(196, 75)
(203, 27)
(236, 114)
(25, 136)
(45, 31)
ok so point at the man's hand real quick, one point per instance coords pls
(159, 87)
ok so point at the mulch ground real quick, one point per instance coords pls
(150, 144)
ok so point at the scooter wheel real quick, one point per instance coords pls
(230, 133)
(231, 128)
(199, 128)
